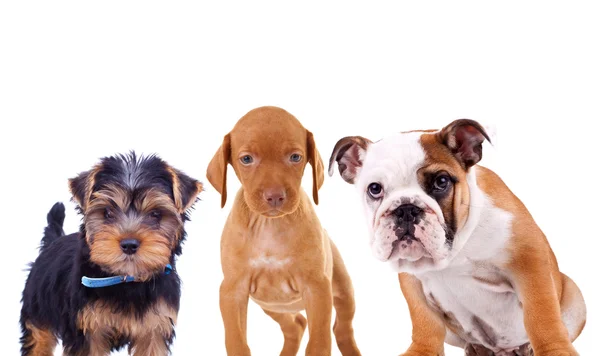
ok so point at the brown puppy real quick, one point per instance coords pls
(273, 248)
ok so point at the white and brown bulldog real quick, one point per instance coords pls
(475, 269)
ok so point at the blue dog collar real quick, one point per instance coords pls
(111, 281)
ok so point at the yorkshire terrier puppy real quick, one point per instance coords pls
(114, 283)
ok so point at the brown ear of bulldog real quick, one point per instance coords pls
(349, 153)
(464, 138)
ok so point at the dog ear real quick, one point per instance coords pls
(464, 138)
(216, 173)
(185, 190)
(81, 187)
(349, 153)
(314, 158)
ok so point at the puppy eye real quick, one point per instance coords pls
(247, 159)
(156, 215)
(108, 215)
(441, 183)
(375, 190)
(295, 158)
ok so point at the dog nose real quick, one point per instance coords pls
(130, 246)
(274, 196)
(407, 213)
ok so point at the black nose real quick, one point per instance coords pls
(130, 246)
(407, 213)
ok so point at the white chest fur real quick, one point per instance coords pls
(479, 307)
(475, 296)
(272, 286)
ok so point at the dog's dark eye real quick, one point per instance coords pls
(375, 190)
(247, 159)
(156, 215)
(441, 183)
(295, 158)
(108, 215)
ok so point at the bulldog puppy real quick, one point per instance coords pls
(475, 269)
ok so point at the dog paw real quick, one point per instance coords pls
(410, 352)
(477, 350)
(562, 351)
(568, 352)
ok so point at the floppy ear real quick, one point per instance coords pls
(216, 173)
(349, 153)
(81, 187)
(464, 138)
(314, 158)
(185, 190)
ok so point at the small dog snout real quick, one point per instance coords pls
(407, 213)
(130, 246)
(275, 197)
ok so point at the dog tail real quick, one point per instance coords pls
(54, 230)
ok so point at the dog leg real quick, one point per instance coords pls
(36, 341)
(293, 327)
(429, 330)
(99, 344)
(233, 301)
(94, 344)
(152, 343)
(538, 287)
(454, 340)
(318, 298)
(572, 306)
(343, 302)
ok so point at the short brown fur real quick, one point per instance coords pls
(283, 260)
(439, 159)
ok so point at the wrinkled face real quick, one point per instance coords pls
(415, 191)
(134, 212)
(268, 149)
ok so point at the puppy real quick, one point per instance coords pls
(114, 283)
(273, 248)
(477, 271)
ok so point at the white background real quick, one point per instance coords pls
(80, 80)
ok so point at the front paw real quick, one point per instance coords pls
(562, 351)
(417, 350)
(566, 352)
(477, 350)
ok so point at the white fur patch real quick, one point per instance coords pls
(269, 262)
(473, 286)
(396, 173)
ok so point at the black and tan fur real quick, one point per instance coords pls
(123, 197)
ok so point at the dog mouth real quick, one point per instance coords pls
(132, 266)
(408, 247)
(276, 212)
(273, 213)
